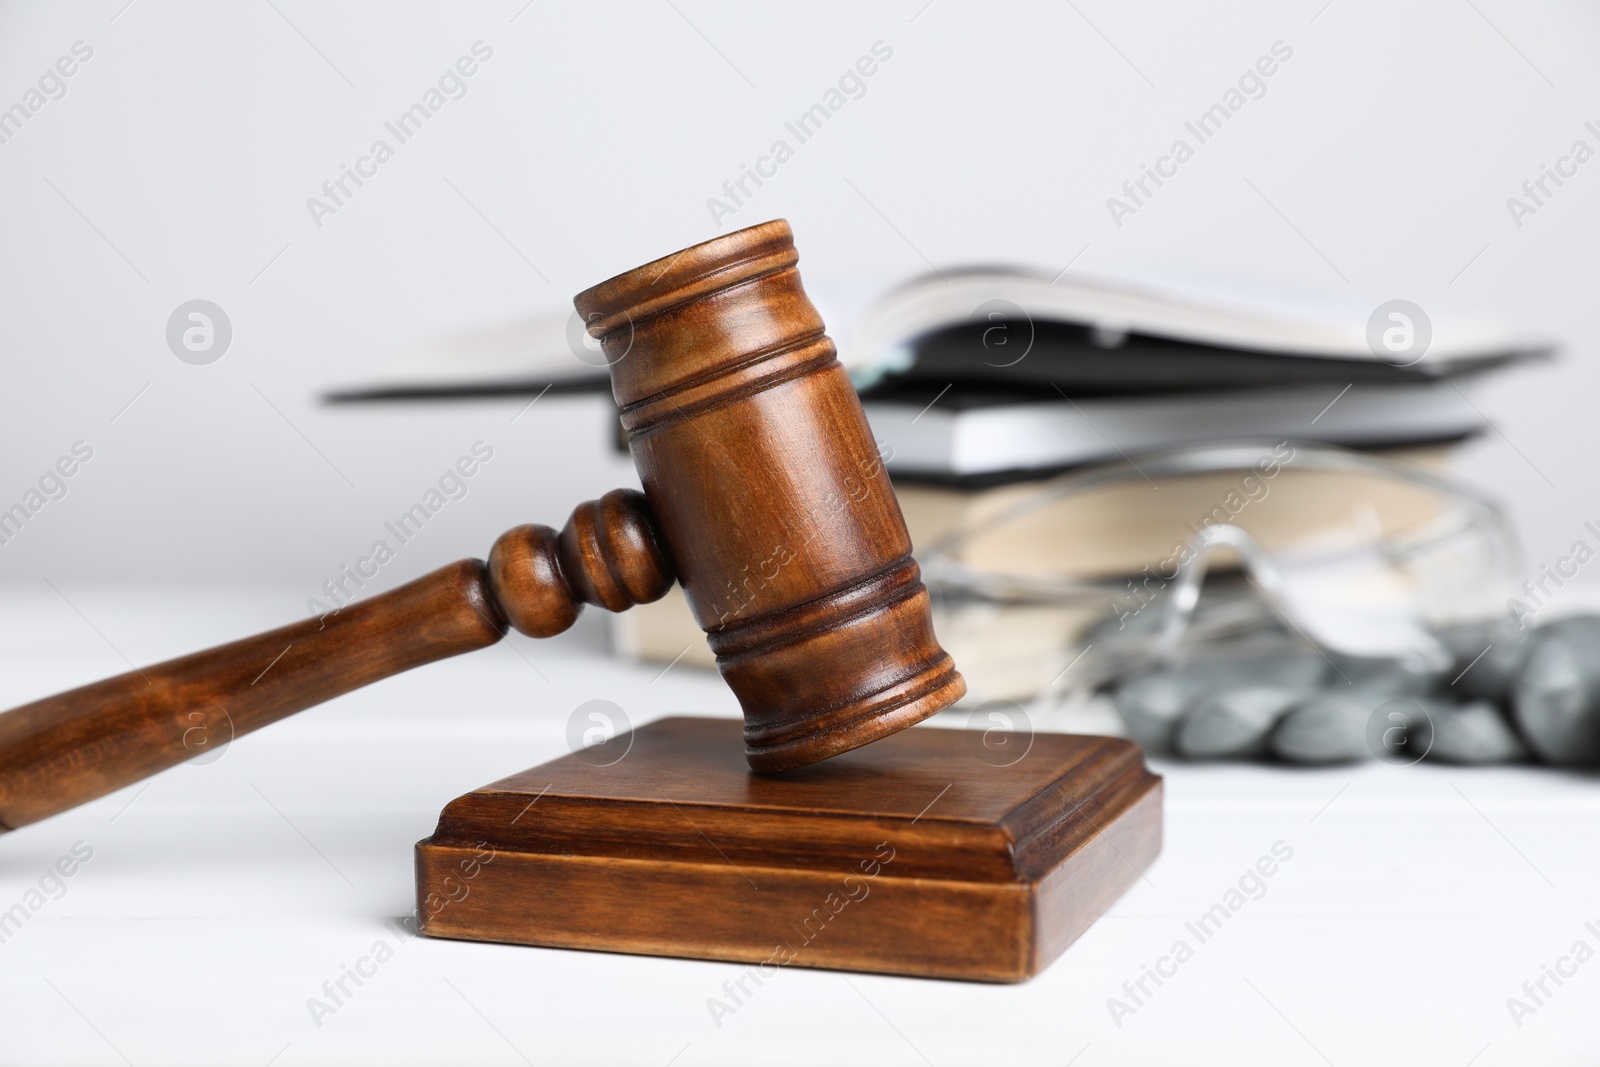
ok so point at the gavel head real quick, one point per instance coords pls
(770, 498)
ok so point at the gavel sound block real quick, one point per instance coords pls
(915, 855)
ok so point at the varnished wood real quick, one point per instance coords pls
(911, 856)
(764, 494)
(70, 748)
(770, 493)
(607, 554)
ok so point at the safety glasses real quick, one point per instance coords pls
(1168, 555)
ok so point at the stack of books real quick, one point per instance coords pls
(983, 385)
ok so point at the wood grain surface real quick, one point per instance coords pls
(772, 496)
(916, 855)
(69, 748)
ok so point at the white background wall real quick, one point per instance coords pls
(179, 162)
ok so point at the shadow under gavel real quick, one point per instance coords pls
(763, 494)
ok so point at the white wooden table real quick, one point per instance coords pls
(221, 897)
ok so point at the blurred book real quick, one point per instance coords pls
(981, 435)
(1102, 336)
(526, 357)
(1121, 528)
(1014, 650)
(985, 376)
(1010, 328)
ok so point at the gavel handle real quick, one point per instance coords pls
(68, 749)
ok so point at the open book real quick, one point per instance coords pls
(1001, 327)
(1099, 336)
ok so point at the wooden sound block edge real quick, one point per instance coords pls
(977, 928)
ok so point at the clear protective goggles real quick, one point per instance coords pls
(1169, 554)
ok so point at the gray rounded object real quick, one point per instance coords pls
(1475, 733)
(1557, 695)
(1150, 704)
(1488, 657)
(1382, 677)
(1234, 722)
(1400, 729)
(1328, 728)
(1292, 670)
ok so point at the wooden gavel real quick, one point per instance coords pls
(763, 494)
